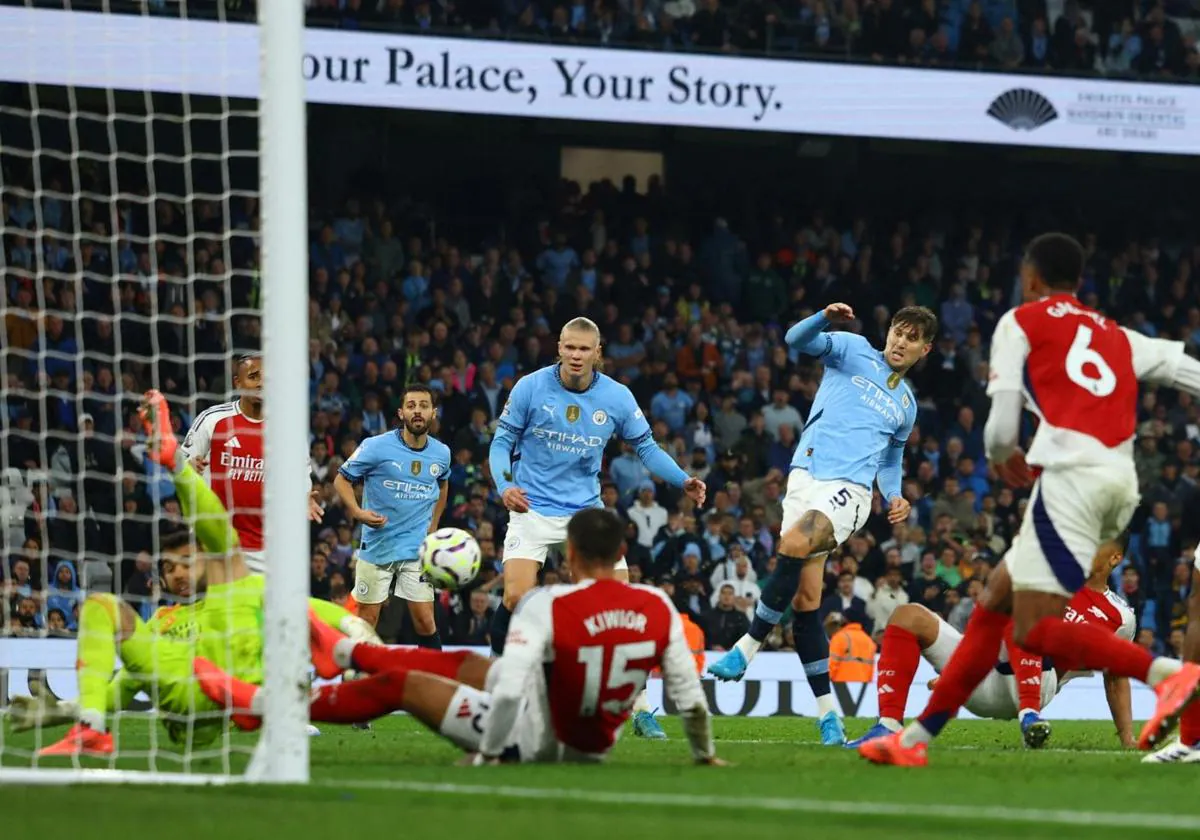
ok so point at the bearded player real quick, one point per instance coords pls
(860, 421)
(1079, 372)
(1019, 686)
(157, 656)
(225, 444)
(404, 475)
(577, 656)
(545, 461)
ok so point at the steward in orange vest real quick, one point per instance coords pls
(851, 655)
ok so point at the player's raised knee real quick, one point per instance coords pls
(912, 617)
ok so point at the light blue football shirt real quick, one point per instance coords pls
(561, 435)
(401, 483)
(861, 409)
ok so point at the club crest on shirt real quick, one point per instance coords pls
(435, 470)
(599, 417)
(893, 380)
(572, 413)
(416, 467)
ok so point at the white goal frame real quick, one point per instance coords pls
(282, 752)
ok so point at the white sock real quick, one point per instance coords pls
(891, 724)
(825, 705)
(914, 734)
(749, 646)
(93, 720)
(343, 651)
(641, 703)
(1161, 668)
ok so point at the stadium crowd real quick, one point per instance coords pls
(693, 323)
(1152, 38)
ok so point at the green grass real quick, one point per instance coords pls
(400, 779)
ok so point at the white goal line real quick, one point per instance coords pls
(972, 813)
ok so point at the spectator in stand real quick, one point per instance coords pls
(726, 622)
(928, 588)
(975, 35)
(780, 413)
(1007, 49)
(671, 404)
(474, 626)
(647, 514)
(888, 595)
(845, 602)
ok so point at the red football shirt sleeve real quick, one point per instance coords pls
(1010, 349)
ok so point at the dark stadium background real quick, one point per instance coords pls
(453, 184)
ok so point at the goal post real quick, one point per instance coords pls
(163, 223)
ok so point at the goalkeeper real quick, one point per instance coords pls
(157, 656)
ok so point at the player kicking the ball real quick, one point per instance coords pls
(576, 658)
(224, 627)
(558, 421)
(1079, 372)
(1020, 685)
(860, 421)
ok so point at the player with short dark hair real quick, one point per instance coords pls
(1079, 372)
(577, 656)
(860, 421)
(225, 444)
(404, 475)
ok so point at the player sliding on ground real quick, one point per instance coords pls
(1079, 372)
(157, 657)
(860, 421)
(577, 656)
(558, 420)
(1019, 685)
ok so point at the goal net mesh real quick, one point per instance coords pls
(130, 232)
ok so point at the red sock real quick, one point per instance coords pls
(899, 657)
(374, 659)
(1189, 725)
(1088, 647)
(358, 701)
(967, 668)
(1027, 671)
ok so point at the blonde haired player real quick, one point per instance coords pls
(546, 458)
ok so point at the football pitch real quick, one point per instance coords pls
(399, 779)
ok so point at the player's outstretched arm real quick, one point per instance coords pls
(1164, 362)
(524, 653)
(808, 336)
(500, 461)
(682, 685)
(1120, 704)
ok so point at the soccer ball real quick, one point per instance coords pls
(449, 558)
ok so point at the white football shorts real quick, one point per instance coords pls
(532, 536)
(996, 697)
(845, 504)
(1071, 511)
(256, 561)
(372, 583)
(533, 738)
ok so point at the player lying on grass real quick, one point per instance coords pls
(1186, 748)
(1021, 684)
(576, 657)
(157, 656)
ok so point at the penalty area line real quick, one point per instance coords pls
(1102, 819)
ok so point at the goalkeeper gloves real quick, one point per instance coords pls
(40, 709)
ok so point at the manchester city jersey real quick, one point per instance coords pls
(561, 435)
(861, 408)
(404, 485)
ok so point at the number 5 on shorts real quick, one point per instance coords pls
(841, 498)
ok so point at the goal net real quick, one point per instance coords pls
(139, 252)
